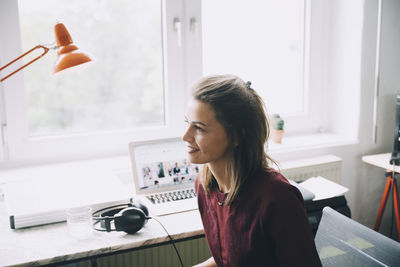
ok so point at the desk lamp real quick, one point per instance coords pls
(68, 53)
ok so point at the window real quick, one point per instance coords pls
(147, 53)
(130, 92)
(266, 42)
(122, 89)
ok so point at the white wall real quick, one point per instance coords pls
(353, 57)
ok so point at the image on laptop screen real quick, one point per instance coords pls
(161, 166)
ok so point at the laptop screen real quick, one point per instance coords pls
(161, 165)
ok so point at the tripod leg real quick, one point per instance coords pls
(383, 202)
(396, 207)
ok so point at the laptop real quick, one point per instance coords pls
(163, 176)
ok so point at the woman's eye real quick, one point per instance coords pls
(199, 128)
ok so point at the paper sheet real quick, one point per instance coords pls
(323, 188)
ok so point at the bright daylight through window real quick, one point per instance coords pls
(122, 89)
(261, 41)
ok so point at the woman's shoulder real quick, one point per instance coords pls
(273, 184)
(271, 178)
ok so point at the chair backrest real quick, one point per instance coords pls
(342, 241)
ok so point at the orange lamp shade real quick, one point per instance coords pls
(68, 53)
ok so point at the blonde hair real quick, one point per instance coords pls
(241, 111)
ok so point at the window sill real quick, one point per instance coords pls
(289, 144)
(308, 142)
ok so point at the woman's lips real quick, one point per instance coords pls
(192, 149)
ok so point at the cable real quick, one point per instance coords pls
(172, 241)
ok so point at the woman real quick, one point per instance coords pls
(251, 215)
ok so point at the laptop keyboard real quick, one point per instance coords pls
(164, 197)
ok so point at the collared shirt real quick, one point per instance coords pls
(266, 226)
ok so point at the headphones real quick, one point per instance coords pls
(129, 218)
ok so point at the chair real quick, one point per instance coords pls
(342, 241)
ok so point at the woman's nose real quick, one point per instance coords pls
(187, 137)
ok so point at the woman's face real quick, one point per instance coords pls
(205, 137)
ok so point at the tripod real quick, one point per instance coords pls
(391, 183)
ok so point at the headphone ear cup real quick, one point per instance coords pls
(130, 220)
(141, 206)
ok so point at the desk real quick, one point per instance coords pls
(383, 161)
(51, 243)
(48, 244)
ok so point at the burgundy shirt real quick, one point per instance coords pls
(268, 225)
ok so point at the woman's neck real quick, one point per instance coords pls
(220, 173)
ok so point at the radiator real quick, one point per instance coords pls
(192, 252)
(329, 167)
(196, 250)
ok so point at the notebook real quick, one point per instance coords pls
(323, 188)
(163, 176)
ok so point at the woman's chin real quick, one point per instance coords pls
(194, 160)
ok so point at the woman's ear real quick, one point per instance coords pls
(235, 142)
(236, 138)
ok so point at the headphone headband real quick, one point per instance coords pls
(108, 209)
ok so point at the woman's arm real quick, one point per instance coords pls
(208, 263)
(289, 228)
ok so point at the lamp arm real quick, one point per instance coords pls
(46, 49)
